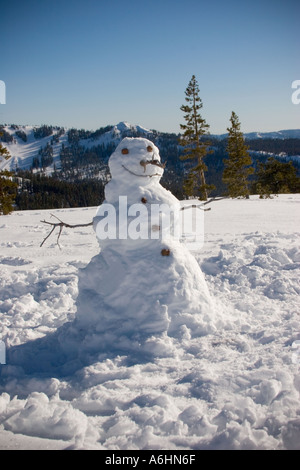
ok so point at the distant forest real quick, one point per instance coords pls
(37, 191)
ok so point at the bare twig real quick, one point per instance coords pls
(215, 199)
(60, 224)
(199, 206)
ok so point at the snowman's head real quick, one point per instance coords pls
(136, 160)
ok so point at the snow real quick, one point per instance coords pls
(125, 126)
(233, 388)
(22, 153)
(282, 134)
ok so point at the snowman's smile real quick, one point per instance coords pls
(144, 163)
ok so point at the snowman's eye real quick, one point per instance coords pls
(149, 148)
(125, 151)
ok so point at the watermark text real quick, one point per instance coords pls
(296, 352)
(2, 92)
(2, 352)
(150, 222)
(296, 93)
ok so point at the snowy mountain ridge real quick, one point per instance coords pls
(25, 143)
(24, 146)
(283, 134)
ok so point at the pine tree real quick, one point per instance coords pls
(195, 148)
(275, 177)
(3, 151)
(8, 191)
(237, 165)
(8, 188)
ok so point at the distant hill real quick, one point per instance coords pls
(44, 147)
(29, 144)
(285, 134)
(73, 156)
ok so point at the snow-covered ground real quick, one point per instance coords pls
(235, 389)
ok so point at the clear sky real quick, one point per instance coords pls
(90, 63)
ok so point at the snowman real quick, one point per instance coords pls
(144, 290)
(143, 296)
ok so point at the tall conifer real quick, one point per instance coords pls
(8, 188)
(237, 165)
(195, 148)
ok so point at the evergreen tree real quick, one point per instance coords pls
(275, 177)
(237, 165)
(8, 188)
(3, 151)
(8, 191)
(195, 148)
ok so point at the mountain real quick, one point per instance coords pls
(27, 144)
(284, 134)
(57, 167)
(52, 148)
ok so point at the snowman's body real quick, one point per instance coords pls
(139, 293)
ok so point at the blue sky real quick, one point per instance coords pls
(90, 63)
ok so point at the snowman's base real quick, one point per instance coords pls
(125, 298)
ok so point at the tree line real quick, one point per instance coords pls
(36, 191)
